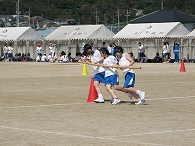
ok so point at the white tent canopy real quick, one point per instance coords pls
(191, 34)
(152, 30)
(81, 32)
(18, 34)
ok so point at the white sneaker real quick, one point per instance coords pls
(99, 100)
(140, 102)
(130, 96)
(142, 95)
(116, 101)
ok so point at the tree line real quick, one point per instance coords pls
(94, 11)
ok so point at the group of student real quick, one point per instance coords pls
(8, 52)
(166, 52)
(109, 75)
(41, 57)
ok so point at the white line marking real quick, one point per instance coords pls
(50, 105)
(170, 98)
(111, 138)
(43, 105)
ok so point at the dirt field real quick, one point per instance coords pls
(45, 104)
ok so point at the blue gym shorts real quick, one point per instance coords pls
(129, 80)
(100, 77)
(112, 80)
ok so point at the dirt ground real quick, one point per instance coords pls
(45, 104)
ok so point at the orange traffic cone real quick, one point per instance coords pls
(92, 92)
(182, 68)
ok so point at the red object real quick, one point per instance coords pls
(92, 92)
(182, 68)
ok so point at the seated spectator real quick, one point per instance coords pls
(145, 59)
(28, 57)
(44, 58)
(69, 57)
(77, 58)
(83, 57)
(132, 56)
(64, 57)
(157, 58)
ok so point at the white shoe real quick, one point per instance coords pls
(130, 96)
(142, 95)
(140, 102)
(116, 101)
(99, 100)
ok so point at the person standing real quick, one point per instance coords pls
(5, 50)
(141, 51)
(39, 52)
(129, 75)
(176, 51)
(10, 52)
(52, 48)
(164, 52)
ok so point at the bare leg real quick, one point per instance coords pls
(110, 91)
(96, 85)
(133, 92)
(120, 88)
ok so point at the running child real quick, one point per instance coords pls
(126, 61)
(94, 56)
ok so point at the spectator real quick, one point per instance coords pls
(104, 45)
(39, 52)
(49, 58)
(164, 51)
(44, 58)
(10, 52)
(64, 57)
(28, 57)
(141, 51)
(176, 51)
(77, 58)
(145, 59)
(110, 48)
(157, 58)
(5, 49)
(69, 57)
(132, 56)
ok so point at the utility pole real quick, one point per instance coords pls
(96, 16)
(105, 19)
(18, 13)
(118, 14)
(29, 16)
(127, 16)
(161, 5)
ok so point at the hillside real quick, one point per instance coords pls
(94, 11)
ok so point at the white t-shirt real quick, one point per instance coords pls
(10, 49)
(50, 58)
(110, 61)
(110, 49)
(164, 48)
(124, 62)
(52, 49)
(39, 49)
(64, 58)
(43, 58)
(94, 58)
(5, 49)
(141, 49)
